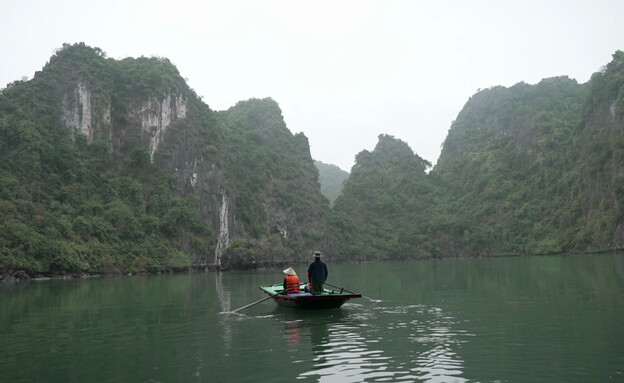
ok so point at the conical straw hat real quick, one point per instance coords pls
(290, 271)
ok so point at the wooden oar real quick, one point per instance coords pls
(370, 299)
(262, 300)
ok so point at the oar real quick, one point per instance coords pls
(370, 299)
(262, 300)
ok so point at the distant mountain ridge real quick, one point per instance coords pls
(331, 178)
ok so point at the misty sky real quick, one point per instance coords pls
(343, 72)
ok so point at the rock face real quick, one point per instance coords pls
(156, 115)
(9, 277)
(78, 114)
(223, 240)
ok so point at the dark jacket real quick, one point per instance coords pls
(317, 271)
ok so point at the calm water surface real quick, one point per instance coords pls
(548, 319)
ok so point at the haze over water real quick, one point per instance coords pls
(551, 319)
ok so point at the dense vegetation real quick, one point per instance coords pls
(507, 168)
(72, 203)
(70, 206)
(524, 170)
(530, 169)
(383, 211)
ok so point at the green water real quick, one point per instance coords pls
(548, 319)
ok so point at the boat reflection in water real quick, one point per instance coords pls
(292, 332)
(303, 329)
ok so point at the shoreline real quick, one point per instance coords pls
(16, 276)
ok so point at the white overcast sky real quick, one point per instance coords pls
(342, 71)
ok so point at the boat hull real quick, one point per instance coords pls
(329, 299)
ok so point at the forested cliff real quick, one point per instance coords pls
(118, 166)
(530, 169)
(111, 166)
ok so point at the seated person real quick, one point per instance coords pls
(291, 282)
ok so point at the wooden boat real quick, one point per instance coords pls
(328, 299)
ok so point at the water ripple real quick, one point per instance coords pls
(428, 336)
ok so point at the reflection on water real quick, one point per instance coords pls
(224, 300)
(438, 362)
(346, 346)
(293, 335)
(341, 353)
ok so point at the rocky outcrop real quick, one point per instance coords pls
(156, 116)
(79, 115)
(223, 240)
(12, 276)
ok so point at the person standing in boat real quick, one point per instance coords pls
(291, 282)
(317, 273)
